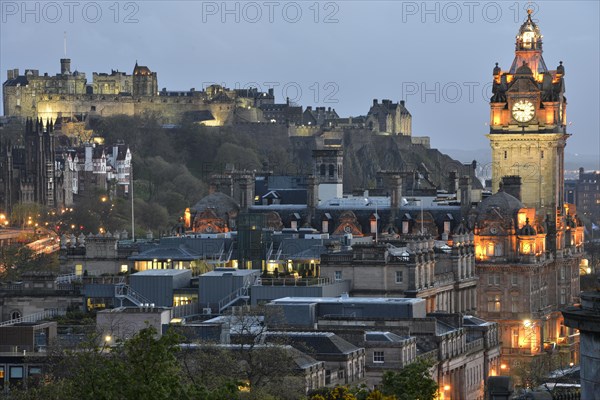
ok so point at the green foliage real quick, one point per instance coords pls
(348, 393)
(171, 167)
(144, 367)
(16, 260)
(413, 382)
(22, 212)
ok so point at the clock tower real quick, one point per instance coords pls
(527, 124)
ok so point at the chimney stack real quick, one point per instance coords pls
(512, 185)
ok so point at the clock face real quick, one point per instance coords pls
(523, 111)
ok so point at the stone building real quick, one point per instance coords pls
(528, 132)
(389, 118)
(441, 272)
(522, 283)
(41, 172)
(584, 192)
(69, 94)
(528, 241)
(395, 332)
(32, 173)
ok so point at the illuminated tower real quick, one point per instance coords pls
(527, 124)
(145, 82)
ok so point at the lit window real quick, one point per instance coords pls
(124, 268)
(515, 338)
(378, 357)
(494, 304)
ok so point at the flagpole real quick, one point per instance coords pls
(131, 194)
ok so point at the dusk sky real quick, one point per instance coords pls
(438, 56)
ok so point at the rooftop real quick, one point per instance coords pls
(353, 300)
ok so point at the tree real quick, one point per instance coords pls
(348, 393)
(532, 373)
(22, 213)
(16, 260)
(143, 367)
(413, 382)
(264, 370)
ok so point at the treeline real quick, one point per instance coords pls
(151, 367)
(172, 167)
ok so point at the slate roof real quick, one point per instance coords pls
(376, 336)
(220, 202)
(474, 321)
(180, 253)
(319, 342)
(442, 327)
(502, 200)
(301, 359)
(20, 80)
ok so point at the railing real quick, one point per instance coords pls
(269, 252)
(521, 350)
(215, 258)
(67, 278)
(123, 291)
(474, 345)
(11, 286)
(238, 294)
(186, 310)
(293, 281)
(104, 280)
(52, 312)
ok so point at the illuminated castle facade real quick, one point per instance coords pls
(69, 95)
(528, 242)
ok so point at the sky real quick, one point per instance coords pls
(437, 56)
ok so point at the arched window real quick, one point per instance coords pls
(331, 170)
(15, 314)
(323, 168)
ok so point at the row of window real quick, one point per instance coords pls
(496, 279)
(14, 375)
(528, 152)
(399, 276)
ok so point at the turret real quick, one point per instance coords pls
(65, 66)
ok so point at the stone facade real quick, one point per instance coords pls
(389, 118)
(441, 272)
(528, 241)
(68, 94)
(528, 131)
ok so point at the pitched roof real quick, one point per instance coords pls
(319, 342)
